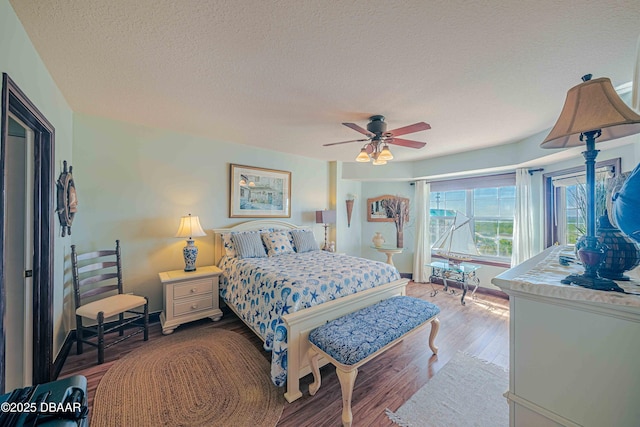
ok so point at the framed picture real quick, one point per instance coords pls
(377, 210)
(259, 193)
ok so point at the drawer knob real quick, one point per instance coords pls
(193, 290)
(194, 306)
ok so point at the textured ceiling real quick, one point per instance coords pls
(285, 74)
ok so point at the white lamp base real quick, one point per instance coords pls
(190, 254)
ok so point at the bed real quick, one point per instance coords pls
(284, 296)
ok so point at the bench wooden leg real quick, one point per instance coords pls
(347, 380)
(435, 327)
(317, 380)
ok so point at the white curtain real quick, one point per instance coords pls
(522, 248)
(422, 252)
(635, 89)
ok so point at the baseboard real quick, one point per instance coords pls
(481, 290)
(70, 340)
(62, 354)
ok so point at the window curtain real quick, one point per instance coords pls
(635, 89)
(422, 252)
(522, 248)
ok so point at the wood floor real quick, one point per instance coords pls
(480, 328)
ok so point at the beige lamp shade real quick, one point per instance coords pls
(385, 154)
(325, 217)
(363, 156)
(190, 227)
(589, 106)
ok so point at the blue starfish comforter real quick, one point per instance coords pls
(261, 290)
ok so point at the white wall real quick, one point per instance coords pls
(404, 260)
(19, 59)
(349, 239)
(134, 183)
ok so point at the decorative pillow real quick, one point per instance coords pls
(227, 242)
(229, 248)
(304, 241)
(277, 242)
(248, 245)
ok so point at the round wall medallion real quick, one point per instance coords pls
(67, 199)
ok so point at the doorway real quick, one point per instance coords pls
(38, 229)
(19, 214)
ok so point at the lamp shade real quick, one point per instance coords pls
(589, 106)
(363, 156)
(190, 227)
(385, 154)
(325, 217)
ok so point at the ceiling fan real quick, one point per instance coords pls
(378, 138)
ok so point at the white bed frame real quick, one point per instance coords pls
(300, 323)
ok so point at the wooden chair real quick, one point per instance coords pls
(95, 274)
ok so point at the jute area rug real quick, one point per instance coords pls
(204, 377)
(465, 392)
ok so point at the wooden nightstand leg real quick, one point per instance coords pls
(347, 381)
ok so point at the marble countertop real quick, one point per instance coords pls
(541, 275)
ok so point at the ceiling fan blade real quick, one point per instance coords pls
(416, 127)
(406, 142)
(358, 128)
(345, 142)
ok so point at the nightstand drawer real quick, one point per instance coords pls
(189, 296)
(191, 306)
(194, 287)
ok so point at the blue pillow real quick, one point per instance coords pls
(304, 241)
(626, 205)
(248, 245)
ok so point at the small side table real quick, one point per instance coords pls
(390, 251)
(462, 273)
(189, 296)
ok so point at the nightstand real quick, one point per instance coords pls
(189, 296)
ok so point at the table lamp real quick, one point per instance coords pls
(592, 111)
(325, 218)
(189, 228)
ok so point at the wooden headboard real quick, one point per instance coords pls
(260, 224)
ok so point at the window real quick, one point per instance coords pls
(565, 201)
(489, 203)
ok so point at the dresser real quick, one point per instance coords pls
(574, 357)
(189, 296)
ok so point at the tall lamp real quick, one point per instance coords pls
(325, 218)
(592, 111)
(189, 228)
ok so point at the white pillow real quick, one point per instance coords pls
(229, 248)
(277, 242)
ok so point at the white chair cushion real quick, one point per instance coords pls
(111, 306)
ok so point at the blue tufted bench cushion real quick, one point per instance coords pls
(355, 336)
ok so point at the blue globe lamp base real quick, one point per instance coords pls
(190, 253)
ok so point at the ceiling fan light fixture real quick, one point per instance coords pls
(385, 154)
(363, 156)
(378, 162)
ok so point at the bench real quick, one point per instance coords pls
(350, 341)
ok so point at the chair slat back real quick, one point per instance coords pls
(97, 291)
(96, 254)
(95, 273)
(97, 266)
